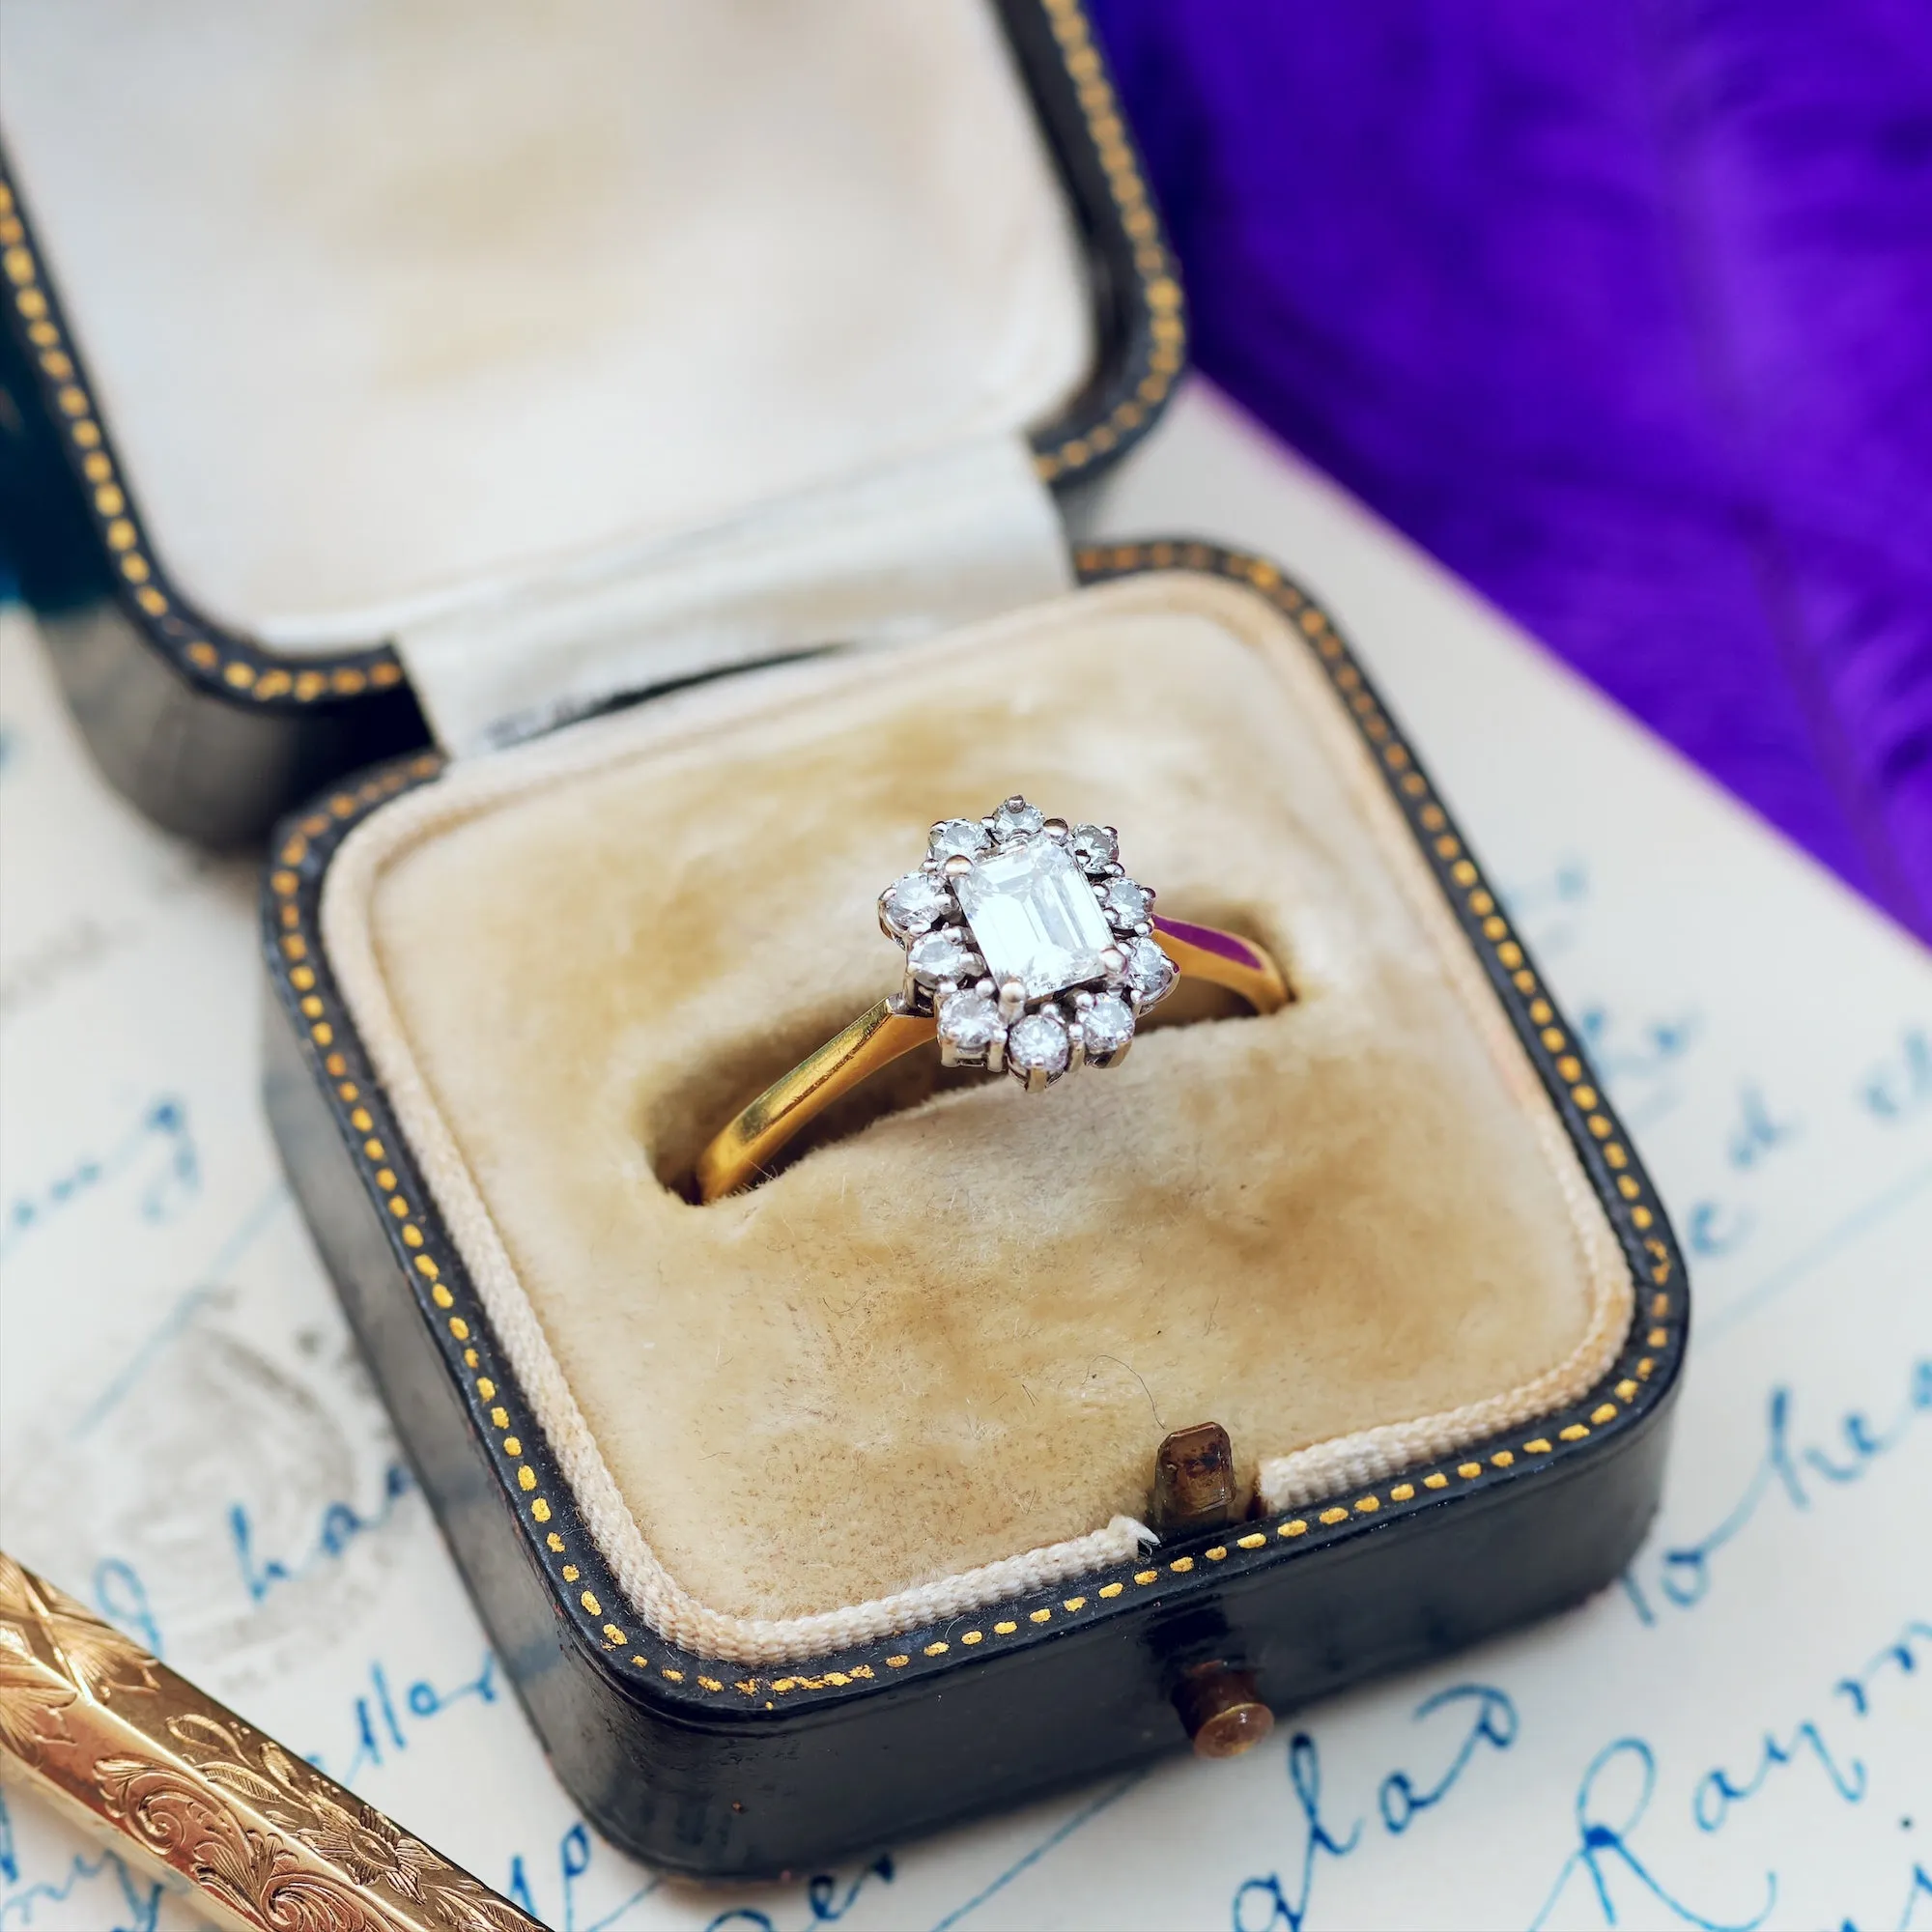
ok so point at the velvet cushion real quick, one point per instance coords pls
(935, 1354)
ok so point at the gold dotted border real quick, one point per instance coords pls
(209, 655)
(578, 1574)
(1143, 389)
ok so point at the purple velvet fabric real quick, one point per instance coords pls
(1625, 312)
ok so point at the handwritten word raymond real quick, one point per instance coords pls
(1796, 1472)
(1488, 1717)
(1605, 1848)
(1720, 1790)
(1604, 1829)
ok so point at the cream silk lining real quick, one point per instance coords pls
(928, 1365)
(876, 559)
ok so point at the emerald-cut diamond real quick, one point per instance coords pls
(1035, 918)
(1027, 945)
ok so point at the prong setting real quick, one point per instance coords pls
(1027, 943)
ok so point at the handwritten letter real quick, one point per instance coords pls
(1737, 1735)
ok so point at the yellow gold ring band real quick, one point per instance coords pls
(883, 1032)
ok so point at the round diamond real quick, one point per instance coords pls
(970, 1021)
(1094, 846)
(1127, 904)
(1013, 821)
(939, 956)
(1038, 1042)
(963, 837)
(915, 903)
(1149, 972)
(1107, 1025)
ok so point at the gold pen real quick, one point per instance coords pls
(184, 1790)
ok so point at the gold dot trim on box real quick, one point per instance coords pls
(203, 652)
(1154, 367)
(583, 1582)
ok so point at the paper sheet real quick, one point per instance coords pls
(1740, 1735)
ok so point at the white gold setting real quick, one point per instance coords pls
(1029, 944)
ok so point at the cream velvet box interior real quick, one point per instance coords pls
(928, 1363)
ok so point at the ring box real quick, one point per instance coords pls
(846, 1507)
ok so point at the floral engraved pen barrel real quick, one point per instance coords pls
(182, 1788)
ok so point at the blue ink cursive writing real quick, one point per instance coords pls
(158, 1149)
(385, 1717)
(341, 1525)
(1603, 1847)
(1266, 1902)
(1791, 1471)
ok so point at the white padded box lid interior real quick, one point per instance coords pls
(387, 298)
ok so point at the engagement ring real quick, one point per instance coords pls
(1028, 949)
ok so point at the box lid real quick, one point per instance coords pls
(364, 322)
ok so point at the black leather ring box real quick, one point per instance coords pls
(994, 1442)
(1384, 1552)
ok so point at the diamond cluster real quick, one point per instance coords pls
(1028, 941)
